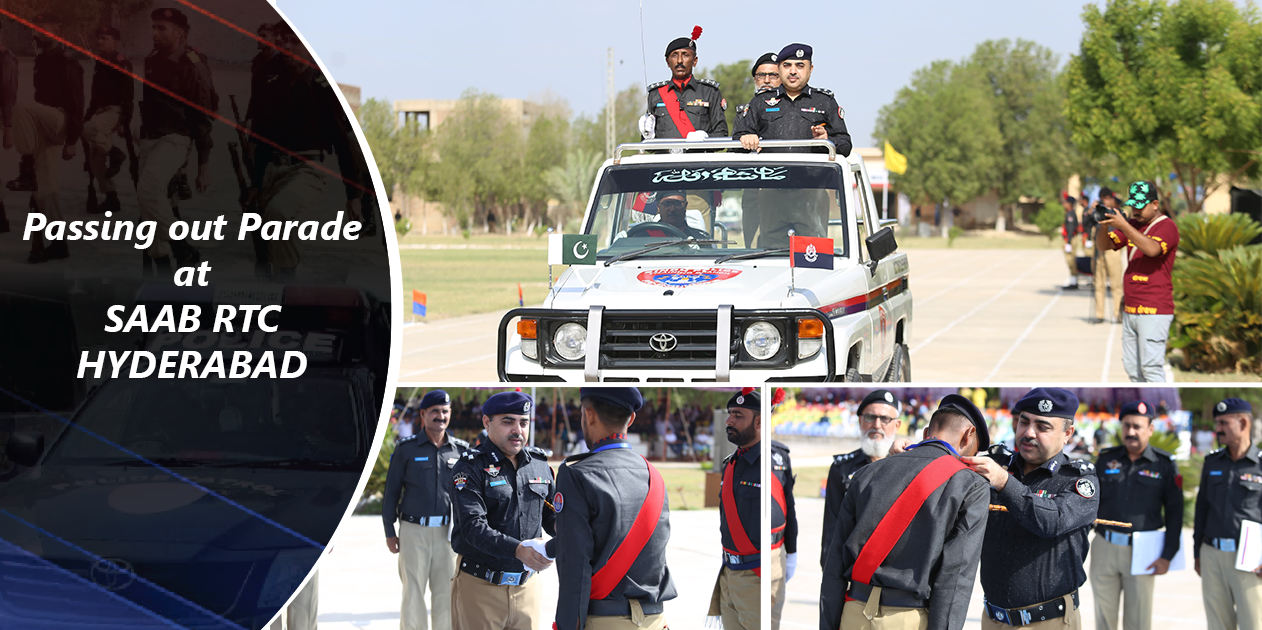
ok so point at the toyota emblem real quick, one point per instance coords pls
(663, 342)
(113, 574)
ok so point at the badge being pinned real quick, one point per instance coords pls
(558, 502)
(461, 480)
(1085, 488)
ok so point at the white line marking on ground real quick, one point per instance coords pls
(1108, 353)
(1026, 333)
(448, 365)
(444, 345)
(979, 307)
(921, 303)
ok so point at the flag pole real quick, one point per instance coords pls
(792, 279)
(549, 265)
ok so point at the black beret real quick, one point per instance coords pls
(883, 396)
(765, 58)
(507, 402)
(970, 411)
(795, 51)
(1232, 405)
(1048, 401)
(434, 398)
(628, 398)
(680, 43)
(1137, 408)
(1106, 193)
(747, 398)
(110, 31)
(174, 16)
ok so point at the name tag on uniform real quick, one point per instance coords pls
(661, 104)
(497, 482)
(1215, 473)
(422, 459)
(1114, 471)
(773, 109)
(1151, 474)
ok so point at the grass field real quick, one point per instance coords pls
(685, 486)
(809, 480)
(1181, 376)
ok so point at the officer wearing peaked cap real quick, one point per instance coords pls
(879, 420)
(613, 515)
(795, 110)
(886, 573)
(736, 596)
(1230, 493)
(766, 74)
(417, 492)
(1050, 504)
(1138, 482)
(500, 493)
(685, 104)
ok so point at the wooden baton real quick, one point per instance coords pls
(1098, 521)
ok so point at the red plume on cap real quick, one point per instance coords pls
(745, 391)
(778, 397)
(696, 32)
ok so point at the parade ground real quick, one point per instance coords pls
(980, 316)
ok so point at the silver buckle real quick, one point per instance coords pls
(1025, 617)
(1226, 544)
(510, 579)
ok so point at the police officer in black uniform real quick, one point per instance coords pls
(879, 414)
(1138, 482)
(600, 495)
(261, 68)
(1033, 554)
(795, 110)
(766, 74)
(109, 109)
(784, 529)
(1230, 493)
(699, 100)
(926, 576)
(501, 492)
(417, 492)
(8, 98)
(736, 596)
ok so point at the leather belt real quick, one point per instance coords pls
(498, 578)
(1222, 544)
(740, 563)
(889, 596)
(426, 521)
(614, 608)
(1117, 538)
(1051, 609)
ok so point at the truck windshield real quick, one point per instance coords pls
(748, 207)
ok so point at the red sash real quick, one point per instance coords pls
(676, 112)
(743, 545)
(604, 580)
(900, 515)
(777, 493)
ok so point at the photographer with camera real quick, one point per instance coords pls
(1147, 288)
(1107, 262)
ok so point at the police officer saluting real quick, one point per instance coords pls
(417, 492)
(613, 517)
(874, 576)
(736, 593)
(795, 110)
(110, 109)
(1231, 492)
(879, 414)
(1033, 554)
(686, 104)
(500, 494)
(1137, 484)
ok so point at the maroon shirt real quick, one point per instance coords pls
(1147, 287)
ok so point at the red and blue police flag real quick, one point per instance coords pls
(810, 251)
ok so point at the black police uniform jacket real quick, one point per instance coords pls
(936, 558)
(418, 482)
(599, 494)
(772, 115)
(784, 519)
(1138, 492)
(700, 99)
(1230, 492)
(185, 73)
(8, 86)
(59, 83)
(113, 88)
(746, 493)
(840, 475)
(1034, 552)
(499, 504)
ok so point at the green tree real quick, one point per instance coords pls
(479, 163)
(737, 84)
(589, 132)
(571, 183)
(377, 119)
(1170, 87)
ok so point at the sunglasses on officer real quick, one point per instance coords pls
(871, 418)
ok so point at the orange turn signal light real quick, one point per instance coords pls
(528, 328)
(808, 328)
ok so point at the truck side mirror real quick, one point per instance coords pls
(25, 447)
(881, 244)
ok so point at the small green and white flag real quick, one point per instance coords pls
(572, 249)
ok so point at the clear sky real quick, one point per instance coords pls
(864, 51)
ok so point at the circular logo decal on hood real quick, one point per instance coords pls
(686, 277)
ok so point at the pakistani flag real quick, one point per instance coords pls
(572, 249)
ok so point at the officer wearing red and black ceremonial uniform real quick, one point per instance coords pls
(1231, 493)
(500, 496)
(49, 129)
(883, 408)
(794, 110)
(613, 516)
(736, 595)
(1033, 554)
(784, 529)
(918, 571)
(8, 98)
(685, 104)
(109, 109)
(417, 494)
(1139, 484)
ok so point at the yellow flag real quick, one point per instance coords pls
(895, 162)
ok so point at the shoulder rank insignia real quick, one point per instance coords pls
(764, 88)
(657, 85)
(823, 91)
(843, 457)
(192, 56)
(321, 81)
(709, 82)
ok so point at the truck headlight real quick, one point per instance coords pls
(810, 336)
(762, 340)
(570, 341)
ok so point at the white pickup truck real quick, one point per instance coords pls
(708, 294)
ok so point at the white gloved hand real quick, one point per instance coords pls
(1090, 244)
(694, 136)
(538, 545)
(648, 127)
(790, 566)
(1069, 248)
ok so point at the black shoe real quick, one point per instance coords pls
(185, 255)
(109, 205)
(175, 210)
(40, 254)
(25, 181)
(114, 161)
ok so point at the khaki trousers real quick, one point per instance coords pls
(775, 568)
(479, 605)
(302, 611)
(1071, 257)
(160, 158)
(1108, 266)
(637, 620)
(99, 132)
(425, 557)
(40, 131)
(1233, 599)
(288, 191)
(1071, 621)
(871, 615)
(740, 599)
(1111, 581)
